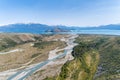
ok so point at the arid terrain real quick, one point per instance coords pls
(59, 57)
(29, 49)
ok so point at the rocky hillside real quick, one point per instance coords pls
(97, 57)
(83, 67)
(108, 48)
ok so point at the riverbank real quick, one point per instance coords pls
(53, 59)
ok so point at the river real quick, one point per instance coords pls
(23, 74)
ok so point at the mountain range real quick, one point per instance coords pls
(41, 28)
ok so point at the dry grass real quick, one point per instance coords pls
(18, 59)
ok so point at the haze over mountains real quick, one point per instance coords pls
(41, 28)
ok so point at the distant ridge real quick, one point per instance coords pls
(41, 28)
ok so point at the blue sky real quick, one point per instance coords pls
(60, 12)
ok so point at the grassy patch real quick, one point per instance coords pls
(42, 44)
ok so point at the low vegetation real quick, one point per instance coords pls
(109, 51)
(83, 67)
(97, 57)
(7, 43)
(12, 40)
(43, 44)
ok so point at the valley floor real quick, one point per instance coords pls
(35, 57)
(59, 57)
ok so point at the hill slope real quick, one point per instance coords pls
(97, 57)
